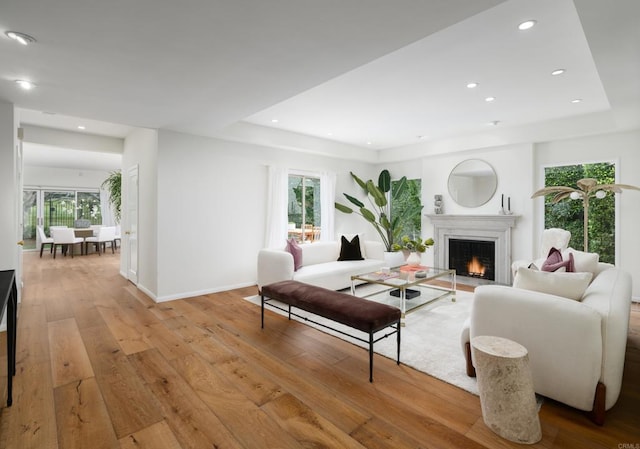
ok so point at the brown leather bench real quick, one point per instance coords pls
(361, 314)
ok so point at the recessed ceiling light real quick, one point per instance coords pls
(82, 127)
(274, 120)
(489, 99)
(24, 39)
(329, 134)
(472, 85)
(26, 85)
(368, 143)
(558, 72)
(527, 24)
(576, 100)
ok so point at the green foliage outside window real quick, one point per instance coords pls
(568, 214)
(408, 205)
(310, 187)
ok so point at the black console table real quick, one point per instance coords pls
(9, 300)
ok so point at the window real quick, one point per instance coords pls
(569, 214)
(57, 208)
(407, 207)
(303, 209)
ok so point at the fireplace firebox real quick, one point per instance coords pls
(473, 258)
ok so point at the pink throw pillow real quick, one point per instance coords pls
(554, 261)
(295, 250)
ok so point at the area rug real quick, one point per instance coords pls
(430, 339)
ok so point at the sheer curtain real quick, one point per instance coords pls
(327, 206)
(105, 209)
(277, 197)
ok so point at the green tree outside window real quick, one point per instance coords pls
(568, 214)
(408, 205)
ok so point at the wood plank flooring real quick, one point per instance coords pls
(100, 365)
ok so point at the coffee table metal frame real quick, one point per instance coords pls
(405, 280)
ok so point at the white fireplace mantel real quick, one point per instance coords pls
(492, 228)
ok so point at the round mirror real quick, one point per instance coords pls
(472, 183)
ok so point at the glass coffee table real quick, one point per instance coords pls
(408, 288)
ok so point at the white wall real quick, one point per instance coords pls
(63, 177)
(212, 204)
(8, 190)
(9, 250)
(141, 148)
(206, 221)
(623, 148)
(70, 139)
(513, 167)
(520, 170)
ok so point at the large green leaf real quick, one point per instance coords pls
(113, 184)
(384, 181)
(401, 186)
(360, 182)
(354, 200)
(379, 198)
(368, 215)
(384, 221)
(343, 208)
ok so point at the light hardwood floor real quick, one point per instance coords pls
(100, 365)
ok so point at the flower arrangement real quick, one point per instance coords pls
(417, 245)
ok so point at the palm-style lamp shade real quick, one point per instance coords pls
(587, 188)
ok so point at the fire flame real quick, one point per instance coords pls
(475, 267)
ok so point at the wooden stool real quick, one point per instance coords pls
(505, 384)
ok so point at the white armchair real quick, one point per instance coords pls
(576, 346)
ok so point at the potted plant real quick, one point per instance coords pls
(411, 248)
(389, 228)
(113, 185)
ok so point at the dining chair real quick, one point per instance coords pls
(44, 240)
(106, 234)
(307, 233)
(65, 238)
(118, 237)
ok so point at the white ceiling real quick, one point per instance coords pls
(363, 70)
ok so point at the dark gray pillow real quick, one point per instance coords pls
(350, 250)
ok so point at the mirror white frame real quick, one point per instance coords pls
(472, 183)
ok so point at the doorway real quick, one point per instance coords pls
(49, 207)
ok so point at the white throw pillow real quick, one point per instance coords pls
(554, 238)
(567, 285)
(582, 261)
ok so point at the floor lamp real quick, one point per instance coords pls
(587, 188)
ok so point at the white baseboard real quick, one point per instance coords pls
(202, 292)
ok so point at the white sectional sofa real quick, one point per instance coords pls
(576, 348)
(320, 265)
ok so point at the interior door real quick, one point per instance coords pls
(131, 232)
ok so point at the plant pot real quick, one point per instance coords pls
(393, 258)
(414, 259)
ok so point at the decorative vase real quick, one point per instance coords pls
(414, 259)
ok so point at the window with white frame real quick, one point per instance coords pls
(304, 207)
(569, 214)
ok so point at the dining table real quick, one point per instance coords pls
(83, 232)
(306, 234)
